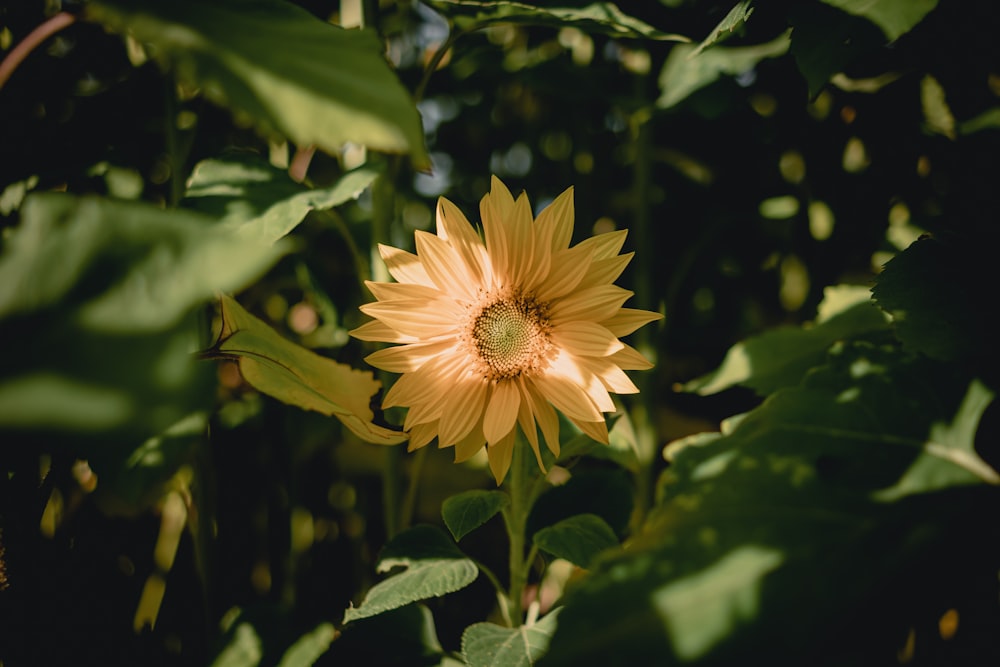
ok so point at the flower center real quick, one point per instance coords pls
(508, 336)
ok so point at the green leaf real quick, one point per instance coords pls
(894, 17)
(686, 71)
(736, 18)
(307, 650)
(605, 492)
(780, 357)
(260, 202)
(297, 376)
(917, 287)
(491, 645)
(434, 566)
(276, 64)
(578, 539)
(243, 649)
(403, 636)
(843, 489)
(597, 17)
(466, 511)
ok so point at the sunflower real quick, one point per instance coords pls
(504, 331)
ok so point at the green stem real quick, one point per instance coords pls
(523, 484)
(413, 483)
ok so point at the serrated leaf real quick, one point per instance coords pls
(780, 357)
(297, 376)
(466, 511)
(491, 645)
(683, 74)
(598, 17)
(843, 488)
(736, 17)
(434, 566)
(260, 202)
(578, 539)
(274, 62)
(893, 17)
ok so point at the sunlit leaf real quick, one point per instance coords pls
(297, 376)
(856, 481)
(434, 566)
(599, 17)
(894, 17)
(578, 539)
(736, 17)
(491, 645)
(276, 64)
(683, 74)
(261, 202)
(780, 357)
(307, 650)
(243, 649)
(937, 114)
(466, 511)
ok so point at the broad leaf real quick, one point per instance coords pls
(491, 645)
(297, 376)
(684, 73)
(894, 17)
(780, 357)
(93, 289)
(434, 566)
(403, 636)
(598, 17)
(736, 18)
(275, 63)
(308, 648)
(607, 493)
(578, 539)
(814, 513)
(260, 202)
(464, 512)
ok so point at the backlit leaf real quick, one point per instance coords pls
(894, 17)
(491, 645)
(464, 512)
(577, 539)
(297, 376)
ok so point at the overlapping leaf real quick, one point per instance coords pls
(491, 645)
(275, 63)
(297, 376)
(464, 512)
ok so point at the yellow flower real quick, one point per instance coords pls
(496, 334)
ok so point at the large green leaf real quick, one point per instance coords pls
(466, 511)
(814, 514)
(578, 539)
(297, 376)
(780, 357)
(403, 636)
(599, 17)
(686, 70)
(275, 63)
(101, 300)
(434, 566)
(894, 17)
(261, 202)
(491, 645)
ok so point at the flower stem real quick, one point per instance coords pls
(523, 488)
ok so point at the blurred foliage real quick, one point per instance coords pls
(810, 189)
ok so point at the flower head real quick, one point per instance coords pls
(504, 331)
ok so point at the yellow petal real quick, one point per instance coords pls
(606, 271)
(404, 266)
(495, 208)
(605, 245)
(408, 358)
(555, 223)
(522, 261)
(527, 422)
(595, 304)
(444, 266)
(381, 332)
(627, 320)
(596, 430)
(628, 358)
(613, 377)
(567, 397)
(546, 417)
(394, 291)
(470, 445)
(421, 434)
(416, 317)
(568, 269)
(583, 338)
(500, 455)
(453, 226)
(463, 408)
(501, 411)
(568, 366)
